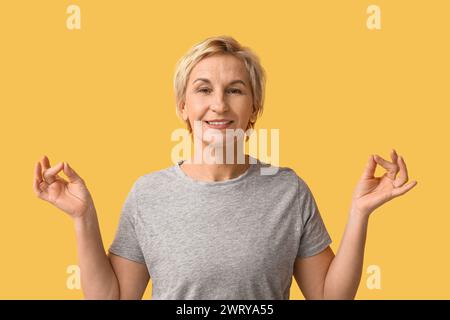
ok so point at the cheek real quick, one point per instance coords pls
(244, 110)
(192, 99)
(195, 109)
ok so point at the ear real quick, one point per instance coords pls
(254, 115)
(183, 110)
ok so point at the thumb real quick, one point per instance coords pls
(50, 173)
(71, 174)
(369, 171)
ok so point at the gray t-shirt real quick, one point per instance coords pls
(232, 239)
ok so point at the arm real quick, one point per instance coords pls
(102, 276)
(133, 277)
(344, 274)
(98, 280)
(325, 276)
(310, 273)
(106, 276)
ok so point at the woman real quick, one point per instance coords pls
(216, 230)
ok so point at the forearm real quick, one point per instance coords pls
(98, 280)
(344, 274)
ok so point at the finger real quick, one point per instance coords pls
(36, 188)
(40, 189)
(45, 163)
(39, 186)
(71, 174)
(369, 171)
(403, 173)
(49, 174)
(403, 189)
(394, 156)
(391, 168)
(37, 178)
(38, 172)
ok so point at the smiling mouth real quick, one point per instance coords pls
(219, 124)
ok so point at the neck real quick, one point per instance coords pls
(216, 168)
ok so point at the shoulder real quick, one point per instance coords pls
(281, 174)
(285, 176)
(152, 181)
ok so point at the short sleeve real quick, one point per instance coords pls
(314, 236)
(126, 243)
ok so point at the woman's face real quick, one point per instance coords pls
(218, 89)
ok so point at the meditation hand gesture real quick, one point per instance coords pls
(70, 196)
(371, 192)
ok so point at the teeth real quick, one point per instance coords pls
(218, 123)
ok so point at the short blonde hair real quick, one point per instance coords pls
(221, 45)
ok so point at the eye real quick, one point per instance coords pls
(204, 90)
(235, 90)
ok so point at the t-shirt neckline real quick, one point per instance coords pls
(254, 162)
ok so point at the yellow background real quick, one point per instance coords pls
(101, 98)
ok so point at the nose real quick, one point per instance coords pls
(219, 104)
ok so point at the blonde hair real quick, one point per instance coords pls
(221, 45)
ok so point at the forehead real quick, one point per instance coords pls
(220, 67)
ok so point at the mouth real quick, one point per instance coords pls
(219, 124)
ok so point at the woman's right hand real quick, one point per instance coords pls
(71, 196)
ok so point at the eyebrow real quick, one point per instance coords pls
(232, 82)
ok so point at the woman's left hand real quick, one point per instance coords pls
(371, 192)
